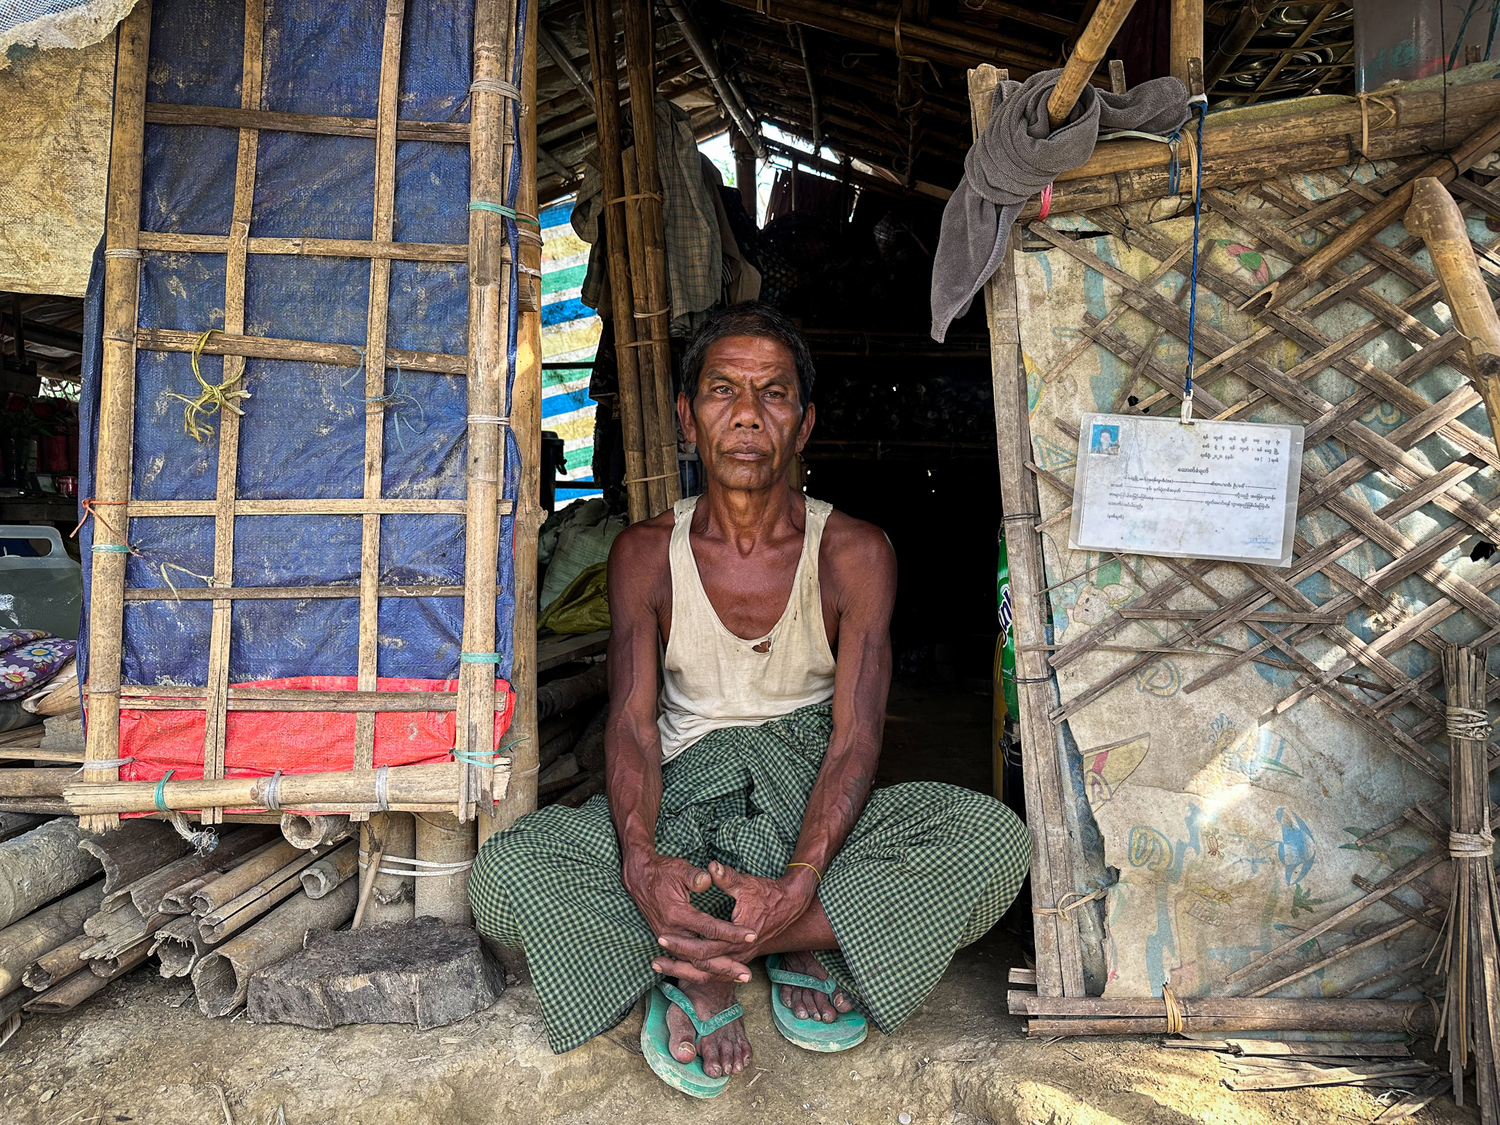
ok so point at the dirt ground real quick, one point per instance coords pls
(141, 1052)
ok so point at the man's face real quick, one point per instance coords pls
(747, 419)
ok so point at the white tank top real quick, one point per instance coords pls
(712, 678)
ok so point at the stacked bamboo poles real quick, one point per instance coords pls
(1470, 944)
(116, 401)
(605, 71)
(646, 232)
(490, 296)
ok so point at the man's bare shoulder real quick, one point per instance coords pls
(640, 552)
(852, 546)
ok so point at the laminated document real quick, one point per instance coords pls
(1209, 490)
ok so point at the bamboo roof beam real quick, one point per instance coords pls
(1103, 26)
(728, 94)
(1022, 15)
(564, 61)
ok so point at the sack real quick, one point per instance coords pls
(578, 548)
(584, 606)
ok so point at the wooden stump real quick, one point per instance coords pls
(40, 866)
(426, 973)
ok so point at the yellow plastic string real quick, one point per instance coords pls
(211, 399)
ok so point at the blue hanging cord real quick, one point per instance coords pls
(1200, 104)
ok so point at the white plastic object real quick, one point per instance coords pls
(42, 592)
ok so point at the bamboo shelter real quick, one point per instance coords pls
(316, 428)
(1238, 774)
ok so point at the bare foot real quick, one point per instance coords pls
(726, 1051)
(808, 1003)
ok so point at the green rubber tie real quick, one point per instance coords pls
(474, 758)
(110, 548)
(479, 658)
(508, 212)
(161, 789)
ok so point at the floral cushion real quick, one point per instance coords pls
(29, 658)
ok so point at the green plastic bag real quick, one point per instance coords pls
(584, 606)
(1007, 641)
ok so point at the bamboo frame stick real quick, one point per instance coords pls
(654, 304)
(649, 356)
(307, 351)
(282, 593)
(309, 247)
(1436, 219)
(1186, 39)
(116, 398)
(490, 299)
(167, 113)
(387, 894)
(1059, 957)
(377, 323)
(215, 712)
(1087, 53)
(511, 795)
(606, 83)
(57, 965)
(330, 507)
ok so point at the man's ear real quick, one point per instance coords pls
(685, 416)
(805, 430)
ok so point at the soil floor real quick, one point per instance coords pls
(141, 1052)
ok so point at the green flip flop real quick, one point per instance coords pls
(849, 1030)
(657, 1047)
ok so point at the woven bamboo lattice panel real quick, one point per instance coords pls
(287, 221)
(1262, 749)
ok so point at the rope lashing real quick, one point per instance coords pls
(487, 420)
(1385, 103)
(647, 480)
(161, 792)
(1176, 1018)
(272, 794)
(479, 658)
(1046, 202)
(649, 313)
(477, 758)
(206, 579)
(91, 507)
(382, 794)
(495, 86)
(1471, 845)
(1468, 722)
(1201, 104)
(211, 399)
(507, 212)
(399, 402)
(122, 252)
(634, 195)
(103, 764)
(1064, 907)
(416, 868)
(113, 549)
(203, 840)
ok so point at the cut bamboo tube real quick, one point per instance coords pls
(216, 925)
(319, 878)
(1186, 38)
(179, 947)
(26, 941)
(1435, 218)
(222, 978)
(80, 986)
(1093, 1015)
(653, 303)
(40, 866)
(57, 964)
(21, 781)
(261, 864)
(422, 787)
(444, 840)
(147, 895)
(393, 898)
(1059, 964)
(1087, 53)
(116, 402)
(490, 299)
(1479, 144)
(606, 77)
(308, 830)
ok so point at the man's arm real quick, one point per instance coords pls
(639, 587)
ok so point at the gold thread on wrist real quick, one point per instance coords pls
(811, 868)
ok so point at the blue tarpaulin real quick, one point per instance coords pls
(303, 431)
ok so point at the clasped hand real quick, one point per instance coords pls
(697, 947)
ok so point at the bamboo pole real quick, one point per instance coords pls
(513, 792)
(330, 872)
(308, 830)
(490, 299)
(234, 915)
(1059, 961)
(654, 305)
(179, 947)
(1148, 1015)
(606, 90)
(1186, 39)
(1087, 53)
(56, 965)
(261, 864)
(222, 978)
(443, 892)
(650, 355)
(26, 941)
(386, 892)
(1479, 144)
(40, 866)
(424, 788)
(116, 401)
(80, 986)
(1435, 218)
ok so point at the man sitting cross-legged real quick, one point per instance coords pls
(749, 663)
